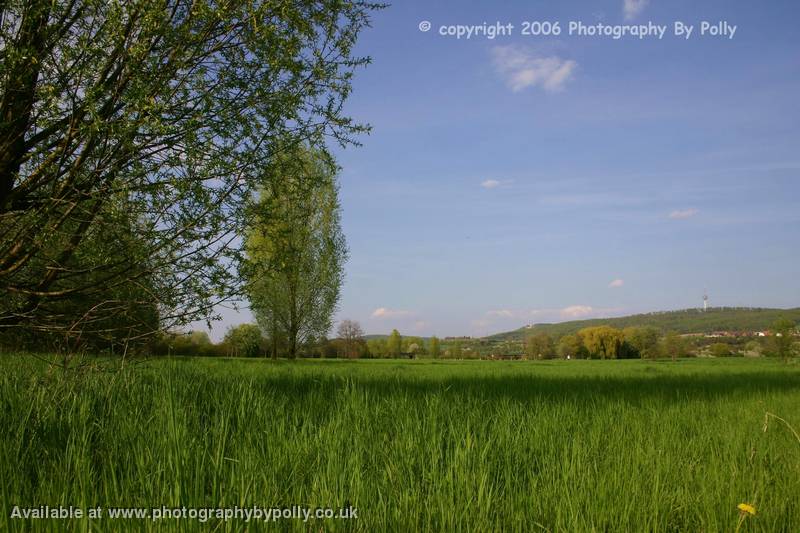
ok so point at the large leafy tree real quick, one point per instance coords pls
(295, 247)
(163, 111)
(571, 346)
(602, 341)
(540, 346)
(643, 339)
(243, 340)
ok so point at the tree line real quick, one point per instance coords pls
(649, 342)
(597, 342)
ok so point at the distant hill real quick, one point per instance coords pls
(684, 321)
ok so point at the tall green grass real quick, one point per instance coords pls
(414, 446)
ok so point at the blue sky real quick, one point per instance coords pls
(533, 179)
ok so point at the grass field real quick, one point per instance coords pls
(414, 446)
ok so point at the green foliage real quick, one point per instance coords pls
(672, 345)
(720, 349)
(540, 346)
(295, 247)
(94, 316)
(435, 349)
(602, 341)
(456, 351)
(644, 340)
(394, 345)
(378, 347)
(414, 345)
(753, 348)
(193, 343)
(571, 347)
(783, 332)
(461, 446)
(154, 118)
(243, 340)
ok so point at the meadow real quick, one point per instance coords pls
(413, 445)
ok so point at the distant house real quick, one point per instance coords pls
(735, 334)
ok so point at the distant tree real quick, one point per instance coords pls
(377, 347)
(243, 340)
(394, 344)
(628, 351)
(329, 349)
(540, 346)
(672, 345)
(351, 335)
(571, 346)
(434, 348)
(456, 351)
(720, 349)
(602, 341)
(783, 338)
(363, 349)
(644, 339)
(415, 345)
(753, 348)
(193, 343)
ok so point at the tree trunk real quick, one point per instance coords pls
(274, 339)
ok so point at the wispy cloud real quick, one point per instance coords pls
(683, 214)
(616, 283)
(383, 312)
(521, 68)
(502, 313)
(493, 183)
(577, 311)
(632, 8)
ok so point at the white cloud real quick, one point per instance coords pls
(383, 312)
(632, 8)
(521, 69)
(683, 214)
(490, 184)
(616, 283)
(502, 313)
(576, 311)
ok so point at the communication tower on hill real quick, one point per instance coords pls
(705, 300)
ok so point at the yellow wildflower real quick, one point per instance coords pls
(746, 508)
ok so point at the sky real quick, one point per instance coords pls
(529, 178)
